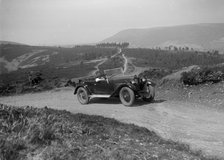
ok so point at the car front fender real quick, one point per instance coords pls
(149, 82)
(117, 90)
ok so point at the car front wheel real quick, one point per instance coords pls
(83, 95)
(151, 95)
(127, 96)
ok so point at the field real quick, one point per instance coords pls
(31, 133)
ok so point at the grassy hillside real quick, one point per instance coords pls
(14, 57)
(53, 63)
(31, 133)
(171, 59)
(52, 77)
(11, 51)
(48, 72)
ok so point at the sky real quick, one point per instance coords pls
(61, 22)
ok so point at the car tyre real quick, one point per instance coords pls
(127, 96)
(151, 96)
(83, 95)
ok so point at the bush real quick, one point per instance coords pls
(9, 150)
(203, 75)
(40, 134)
(155, 73)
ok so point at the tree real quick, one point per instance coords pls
(175, 48)
(216, 52)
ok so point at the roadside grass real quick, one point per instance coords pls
(32, 133)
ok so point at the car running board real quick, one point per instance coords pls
(99, 96)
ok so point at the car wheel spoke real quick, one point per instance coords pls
(126, 96)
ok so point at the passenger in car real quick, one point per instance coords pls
(100, 76)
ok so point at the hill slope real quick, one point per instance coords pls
(10, 42)
(200, 36)
(15, 56)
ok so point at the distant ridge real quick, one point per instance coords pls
(10, 42)
(203, 36)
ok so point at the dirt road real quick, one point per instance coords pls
(125, 64)
(103, 60)
(199, 126)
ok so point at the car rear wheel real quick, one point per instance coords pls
(151, 95)
(83, 95)
(127, 96)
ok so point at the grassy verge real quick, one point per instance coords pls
(27, 133)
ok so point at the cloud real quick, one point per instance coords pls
(206, 5)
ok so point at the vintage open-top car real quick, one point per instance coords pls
(127, 88)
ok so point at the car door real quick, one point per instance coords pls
(102, 87)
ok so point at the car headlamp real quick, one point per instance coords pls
(133, 81)
(149, 82)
